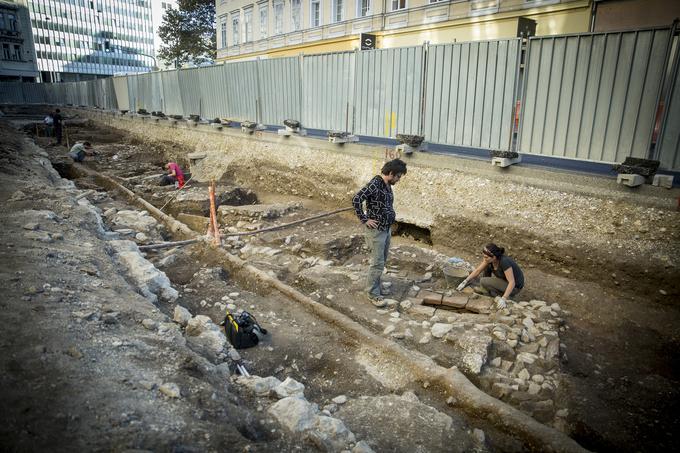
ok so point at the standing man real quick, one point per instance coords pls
(49, 123)
(378, 219)
(57, 122)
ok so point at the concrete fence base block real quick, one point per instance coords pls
(406, 149)
(505, 161)
(630, 180)
(665, 181)
(346, 139)
(287, 132)
(217, 126)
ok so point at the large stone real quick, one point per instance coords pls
(289, 387)
(430, 297)
(181, 316)
(261, 386)
(198, 324)
(170, 389)
(455, 301)
(482, 305)
(474, 346)
(438, 330)
(210, 343)
(139, 221)
(330, 434)
(293, 413)
(152, 282)
(421, 311)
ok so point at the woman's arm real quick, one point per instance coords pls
(510, 277)
(477, 271)
(473, 275)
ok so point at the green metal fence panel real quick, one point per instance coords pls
(593, 96)
(470, 93)
(328, 90)
(388, 87)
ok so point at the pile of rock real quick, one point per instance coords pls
(515, 352)
(152, 283)
(300, 417)
(260, 211)
(202, 335)
(134, 224)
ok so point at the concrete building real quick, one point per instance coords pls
(17, 61)
(158, 10)
(268, 28)
(87, 39)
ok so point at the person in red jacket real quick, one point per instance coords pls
(175, 176)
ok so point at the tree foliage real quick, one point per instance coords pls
(188, 32)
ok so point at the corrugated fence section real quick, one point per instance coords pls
(668, 145)
(590, 96)
(388, 87)
(470, 93)
(279, 90)
(593, 96)
(241, 90)
(321, 75)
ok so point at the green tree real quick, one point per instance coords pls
(188, 32)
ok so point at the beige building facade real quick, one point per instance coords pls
(248, 29)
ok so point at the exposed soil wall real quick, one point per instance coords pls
(594, 227)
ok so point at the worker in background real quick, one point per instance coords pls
(501, 275)
(175, 176)
(48, 121)
(378, 219)
(80, 150)
(57, 121)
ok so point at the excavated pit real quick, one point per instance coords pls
(325, 260)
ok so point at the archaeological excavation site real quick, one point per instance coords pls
(121, 294)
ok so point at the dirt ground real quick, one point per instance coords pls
(74, 379)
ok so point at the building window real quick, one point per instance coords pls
(338, 7)
(5, 51)
(12, 22)
(2, 21)
(296, 14)
(235, 31)
(248, 25)
(223, 31)
(398, 4)
(363, 8)
(264, 20)
(437, 1)
(278, 17)
(17, 53)
(314, 13)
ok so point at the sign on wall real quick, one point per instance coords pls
(367, 41)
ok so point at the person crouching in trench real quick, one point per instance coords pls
(501, 275)
(80, 150)
(175, 176)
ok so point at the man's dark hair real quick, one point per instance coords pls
(395, 167)
(87, 144)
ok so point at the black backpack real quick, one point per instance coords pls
(243, 331)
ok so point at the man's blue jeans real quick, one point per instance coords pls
(379, 244)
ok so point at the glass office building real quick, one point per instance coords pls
(87, 39)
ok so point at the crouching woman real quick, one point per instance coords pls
(501, 276)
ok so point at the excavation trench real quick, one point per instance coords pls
(420, 369)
